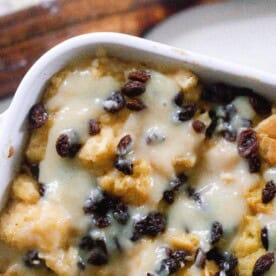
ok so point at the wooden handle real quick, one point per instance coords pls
(26, 35)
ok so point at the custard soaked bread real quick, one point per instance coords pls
(132, 170)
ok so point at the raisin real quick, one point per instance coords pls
(114, 103)
(120, 213)
(32, 259)
(200, 258)
(124, 166)
(182, 177)
(67, 146)
(86, 243)
(264, 238)
(198, 126)
(124, 145)
(173, 263)
(214, 255)
(90, 206)
(261, 105)
(268, 192)
(216, 232)
(99, 206)
(212, 127)
(248, 143)
(170, 265)
(263, 264)
(97, 257)
(133, 88)
(41, 189)
(94, 127)
(135, 105)
(197, 198)
(187, 112)
(175, 184)
(168, 196)
(102, 221)
(101, 245)
(254, 164)
(229, 135)
(219, 93)
(194, 195)
(141, 76)
(153, 224)
(179, 255)
(178, 99)
(37, 116)
(81, 264)
(228, 262)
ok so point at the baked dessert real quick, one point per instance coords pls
(136, 170)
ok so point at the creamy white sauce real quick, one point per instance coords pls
(244, 108)
(221, 183)
(240, 119)
(78, 99)
(270, 174)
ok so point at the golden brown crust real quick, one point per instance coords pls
(183, 241)
(133, 189)
(38, 142)
(267, 139)
(254, 200)
(25, 188)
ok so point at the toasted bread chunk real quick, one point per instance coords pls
(133, 189)
(25, 188)
(98, 152)
(42, 226)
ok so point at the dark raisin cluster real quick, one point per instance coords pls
(121, 163)
(221, 93)
(224, 94)
(186, 111)
(216, 232)
(226, 261)
(174, 261)
(174, 186)
(248, 149)
(135, 87)
(103, 207)
(151, 225)
(96, 249)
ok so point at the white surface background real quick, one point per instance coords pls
(242, 32)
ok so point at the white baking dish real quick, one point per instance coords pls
(13, 127)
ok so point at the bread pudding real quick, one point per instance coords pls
(137, 170)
